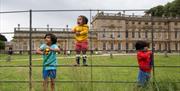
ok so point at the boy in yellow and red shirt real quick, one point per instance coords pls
(81, 36)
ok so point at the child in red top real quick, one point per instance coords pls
(145, 62)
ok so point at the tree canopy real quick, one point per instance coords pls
(171, 9)
(2, 41)
(2, 38)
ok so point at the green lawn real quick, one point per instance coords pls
(164, 76)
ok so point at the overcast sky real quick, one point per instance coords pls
(61, 19)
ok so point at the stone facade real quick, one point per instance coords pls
(120, 32)
(111, 32)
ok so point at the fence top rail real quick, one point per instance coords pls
(60, 10)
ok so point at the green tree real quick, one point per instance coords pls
(2, 41)
(2, 44)
(156, 11)
(169, 10)
(3, 38)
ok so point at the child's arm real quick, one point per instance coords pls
(55, 49)
(39, 51)
(74, 31)
(85, 31)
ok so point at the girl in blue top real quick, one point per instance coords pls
(48, 51)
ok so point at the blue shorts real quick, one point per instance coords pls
(49, 73)
(143, 77)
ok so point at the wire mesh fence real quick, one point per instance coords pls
(112, 62)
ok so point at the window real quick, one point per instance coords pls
(127, 22)
(119, 35)
(152, 23)
(119, 46)
(103, 35)
(126, 33)
(139, 33)
(175, 23)
(146, 34)
(146, 23)
(159, 47)
(133, 46)
(133, 22)
(104, 46)
(112, 46)
(139, 23)
(176, 46)
(127, 46)
(166, 46)
(159, 23)
(133, 34)
(112, 36)
(176, 34)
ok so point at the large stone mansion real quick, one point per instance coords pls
(110, 31)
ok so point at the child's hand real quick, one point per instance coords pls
(51, 49)
(77, 33)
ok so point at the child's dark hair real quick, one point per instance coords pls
(53, 37)
(85, 19)
(141, 44)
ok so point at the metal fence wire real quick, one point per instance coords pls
(98, 36)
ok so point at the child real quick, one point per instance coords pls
(48, 50)
(81, 36)
(144, 61)
(10, 52)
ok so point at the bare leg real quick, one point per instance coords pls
(45, 84)
(52, 85)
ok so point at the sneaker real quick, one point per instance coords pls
(85, 65)
(76, 64)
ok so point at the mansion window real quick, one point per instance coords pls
(104, 46)
(146, 34)
(133, 22)
(112, 36)
(112, 46)
(139, 33)
(146, 23)
(176, 46)
(159, 23)
(133, 34)
(126, 33)
(175, 23)
(176, 33)
(127, 46)
(119, 35)
(104, 35)
(119, 46)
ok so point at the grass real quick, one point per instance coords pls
(165, 77)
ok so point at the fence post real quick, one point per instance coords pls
(30, 50)
(90, 14)
(152, 45)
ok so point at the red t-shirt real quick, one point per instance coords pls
(144, 60)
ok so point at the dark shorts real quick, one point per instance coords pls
(49, 73)
(143, 77)
(81, 46)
